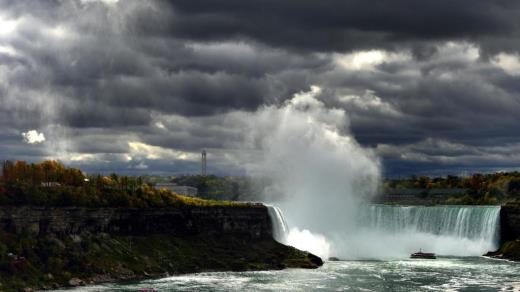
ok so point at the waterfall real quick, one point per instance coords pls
(386, 232)
(446, 230)
(278, 223)
(471, 222)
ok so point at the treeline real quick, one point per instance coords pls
(50, 183)
(474, 189)
(479, 188)
(235, 188)
(211, 186)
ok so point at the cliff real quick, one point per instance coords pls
(250, 220)
(42, 248)
(509, 233)
(510, 222)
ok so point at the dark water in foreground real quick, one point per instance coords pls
(442, 274)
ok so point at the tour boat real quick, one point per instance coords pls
(423, 255)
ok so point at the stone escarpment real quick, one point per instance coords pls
(509, 233)
(252, 221)
(44, 248)
(510, 222)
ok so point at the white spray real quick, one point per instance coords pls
(322, 179)
(320, 174)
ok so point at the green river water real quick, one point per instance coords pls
(442, 274)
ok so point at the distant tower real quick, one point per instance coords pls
(203, 163)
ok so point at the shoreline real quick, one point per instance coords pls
(104, 280)
(49, 248)
(96, 259)
(509, 250)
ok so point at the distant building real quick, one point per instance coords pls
(50, 184)
(181, 190)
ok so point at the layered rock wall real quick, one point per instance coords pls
(509, 222)
(252, 221)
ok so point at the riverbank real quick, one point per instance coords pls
(46, 248)
(91, 259)
(509, 233)
(441, 274)
(510, 250)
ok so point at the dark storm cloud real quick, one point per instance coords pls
(341, 24)
(11, 147)
(461, 98)
(436, 157)
(87, 57)
(95, 76)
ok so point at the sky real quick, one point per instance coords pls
(431, 87)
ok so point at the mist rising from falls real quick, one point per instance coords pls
(319, 173)
(322, 180)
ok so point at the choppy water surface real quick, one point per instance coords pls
(442, 274)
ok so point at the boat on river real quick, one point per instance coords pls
(423, 255)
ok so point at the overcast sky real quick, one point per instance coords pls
(433, 87)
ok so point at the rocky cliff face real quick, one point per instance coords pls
(252, 221)
(510, 222)
(509, 233)
(55, 247)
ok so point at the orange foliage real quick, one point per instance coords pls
(49, 171)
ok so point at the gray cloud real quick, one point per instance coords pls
(183, 75)
(340, 25)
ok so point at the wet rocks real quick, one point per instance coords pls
(74, 282)
(510, 250)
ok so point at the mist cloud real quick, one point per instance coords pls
(315, 166)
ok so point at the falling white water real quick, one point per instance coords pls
(280, 229)
(396, 231)
(386, 232)
(472, 222)
(303, 239)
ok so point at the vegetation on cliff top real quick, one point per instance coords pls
(50, 183)
(236, 188)
(477, 189)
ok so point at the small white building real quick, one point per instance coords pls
(50, 184)
(181, 190)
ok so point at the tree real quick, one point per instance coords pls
(513, 187)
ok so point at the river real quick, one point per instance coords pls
(442, 274)
(458, 234)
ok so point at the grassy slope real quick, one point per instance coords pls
(509, 250)
(104, 258)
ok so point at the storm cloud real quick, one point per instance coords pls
(143, 86)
